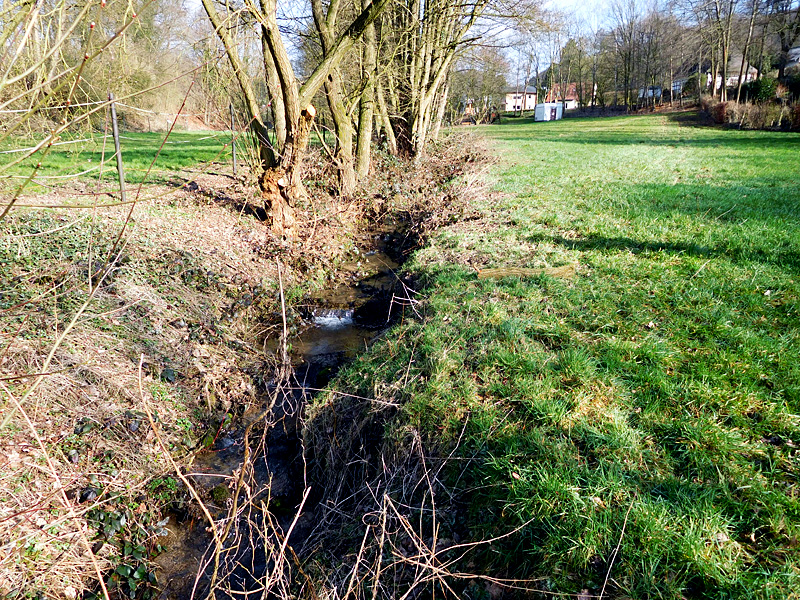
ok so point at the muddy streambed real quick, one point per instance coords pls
(338, 324)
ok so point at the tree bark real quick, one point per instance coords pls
(277, 106)
(281, 186)
(342, 125)
(391, 140)
(366, 108)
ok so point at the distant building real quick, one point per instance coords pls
(520, 99)
(734, 67)
(678, 85)
(651, 92)
(569, 97)
(793, 61)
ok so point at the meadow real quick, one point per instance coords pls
(81, 158)
(608, 354)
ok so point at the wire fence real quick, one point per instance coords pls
(48, 143)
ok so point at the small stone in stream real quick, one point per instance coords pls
(168, 375)
(87, 495)
(223, 443)
(134, 426)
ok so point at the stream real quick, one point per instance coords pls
(338, 324)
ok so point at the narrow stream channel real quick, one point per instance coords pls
(338, 325)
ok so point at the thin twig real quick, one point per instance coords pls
(616, 550)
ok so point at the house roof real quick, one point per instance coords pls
(735, 64)
(527, 90)
(555, 92)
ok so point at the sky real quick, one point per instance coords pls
(592, 12)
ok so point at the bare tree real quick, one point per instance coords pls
(280, 181)
(430, 34)
(625, 15)
(784, 17)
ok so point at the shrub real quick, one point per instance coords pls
(761, 116)
(690, 87)
(793, 83)
(706, 103)
(717, 112)
(795, 116)
(761, 90)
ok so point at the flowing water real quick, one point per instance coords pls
(338, 325)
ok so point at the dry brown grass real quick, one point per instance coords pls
(176, 300)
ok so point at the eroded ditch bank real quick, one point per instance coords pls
(259, 508)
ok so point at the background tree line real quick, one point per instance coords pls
(636, 53)
(370, 71)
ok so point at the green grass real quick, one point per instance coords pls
(182, 150)
(656, 389)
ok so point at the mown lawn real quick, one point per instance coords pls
(90, 157)
(646, 396)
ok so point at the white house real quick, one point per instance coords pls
(520, 99)
(651, 92)
(734, 67)
(678, 85)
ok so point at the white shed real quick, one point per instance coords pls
(548, 111)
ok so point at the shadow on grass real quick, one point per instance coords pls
(638, 129)
(753, 222)
(240, 203)
(791, 141)
(785, 258)
(140, 153)
(693, 118)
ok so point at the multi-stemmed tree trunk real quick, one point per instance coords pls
(280, 182)
(430, 35)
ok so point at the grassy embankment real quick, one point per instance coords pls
(104, 319)
(636, 411)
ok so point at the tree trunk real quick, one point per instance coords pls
(746, 49)
(366, 109)
(280, 181)
(256, 124)
(281, 186)
(437, 125)
(391, 140)
(343, 129)
(277, 107)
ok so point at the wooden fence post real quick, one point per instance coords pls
(115, 131)
(233, 141)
